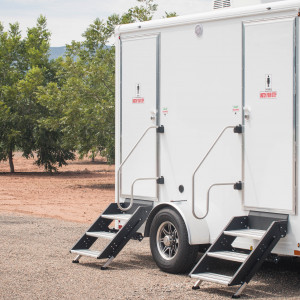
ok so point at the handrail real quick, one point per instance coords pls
(131, 195)
(207, 198)
(119, 169)
(193, 182)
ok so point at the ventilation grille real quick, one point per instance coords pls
(221, 3)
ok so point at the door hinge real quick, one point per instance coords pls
(238, 186)
(238, 129)
(160, 129)
(160, 180)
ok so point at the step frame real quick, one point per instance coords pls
(139, 212)
(222, 243)
(126, 233)
(276, 228)
(264, 247)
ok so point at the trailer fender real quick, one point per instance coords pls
(157, 208)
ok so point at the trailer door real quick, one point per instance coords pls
(139, 106)
(269, 115)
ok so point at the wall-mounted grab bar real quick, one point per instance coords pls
(237, 129)
(120, 167)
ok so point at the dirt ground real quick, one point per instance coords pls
(42, 216)
(35, 264)
(79, 192)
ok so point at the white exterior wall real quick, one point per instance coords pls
(199, 96)
(200, 89)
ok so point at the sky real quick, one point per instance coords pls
(68, 19)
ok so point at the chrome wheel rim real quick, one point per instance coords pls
(167, 240)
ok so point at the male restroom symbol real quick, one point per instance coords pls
(268, 82)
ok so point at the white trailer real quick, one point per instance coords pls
(207, 139)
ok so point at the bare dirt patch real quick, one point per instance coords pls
(78, 192)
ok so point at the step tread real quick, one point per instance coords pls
(213, 277)
(123, 217)
(87, 252)
(248, 233)
(101, 234)
(229, 255)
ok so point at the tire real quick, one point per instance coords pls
(169, 243)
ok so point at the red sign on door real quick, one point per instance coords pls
(137, 100)
(268, 95)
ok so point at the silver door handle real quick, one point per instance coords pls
(247, 112)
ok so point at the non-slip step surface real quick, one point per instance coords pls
(102, 234)
(247, 233)
(87, 252)
(121, 217)
(229, 255)
(213, 277)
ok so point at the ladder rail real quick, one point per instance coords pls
(122, 164)
(198, 167)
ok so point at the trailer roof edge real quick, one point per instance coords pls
(220, 14)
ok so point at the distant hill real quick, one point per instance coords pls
(56, 52)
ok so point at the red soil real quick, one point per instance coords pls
(78, 192)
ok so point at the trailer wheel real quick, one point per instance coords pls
(169, 243)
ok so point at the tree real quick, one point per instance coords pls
(25, 69)
(52, 108)
(86, 85)
(12, 69)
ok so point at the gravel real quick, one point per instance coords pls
(35, 263)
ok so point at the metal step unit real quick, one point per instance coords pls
(266, 228)
(133, 218)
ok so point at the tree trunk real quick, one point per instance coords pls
(11, 163)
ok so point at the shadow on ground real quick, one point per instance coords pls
(87, 173)
(89, 163)
(136, 261)
(104, 186)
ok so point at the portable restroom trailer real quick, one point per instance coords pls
(207, 140)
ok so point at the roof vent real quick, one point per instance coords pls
(221, 3)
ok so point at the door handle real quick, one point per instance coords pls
(247, 112)
(153, 115)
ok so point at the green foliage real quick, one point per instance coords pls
(52, 108)
(86, 85)
(170, 14)
(24, 70)
(11, 71)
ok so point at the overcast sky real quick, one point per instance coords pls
(68, 19)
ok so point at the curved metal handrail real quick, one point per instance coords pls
(138, 179)
(202, 161)
(120, 167)
(207, 197)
